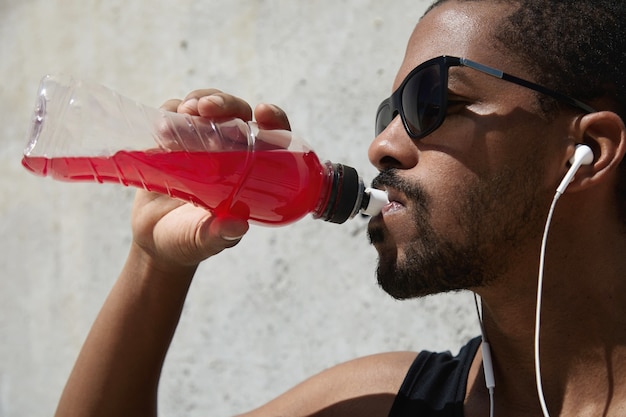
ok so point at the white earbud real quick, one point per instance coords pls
(582, 156)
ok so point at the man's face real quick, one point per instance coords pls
(468, 201)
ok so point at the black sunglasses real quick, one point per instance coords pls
(422, 98)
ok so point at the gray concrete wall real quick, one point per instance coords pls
(287, 302)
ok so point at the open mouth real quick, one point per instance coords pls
(396, 201)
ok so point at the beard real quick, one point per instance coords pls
(495, 216)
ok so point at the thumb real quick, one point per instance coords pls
(228, 231)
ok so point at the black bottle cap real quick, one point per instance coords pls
(346, 193)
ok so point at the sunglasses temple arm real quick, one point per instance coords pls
(519, 81)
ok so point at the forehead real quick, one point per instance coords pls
(464, 29)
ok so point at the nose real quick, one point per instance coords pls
(393, 148)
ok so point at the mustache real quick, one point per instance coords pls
(390, 178)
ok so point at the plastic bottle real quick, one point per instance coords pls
(86, 132)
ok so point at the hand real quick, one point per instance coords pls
(215, 104)
(173, 233)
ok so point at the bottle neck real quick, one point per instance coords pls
(342, 195)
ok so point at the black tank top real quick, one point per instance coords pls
(435, 384)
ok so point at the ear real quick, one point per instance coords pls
(605, 133)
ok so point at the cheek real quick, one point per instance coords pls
(447, 184)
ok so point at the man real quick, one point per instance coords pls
(471, 169)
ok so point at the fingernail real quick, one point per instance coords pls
(277, 110)
(217, 100)
(192, 103)
(231, 238)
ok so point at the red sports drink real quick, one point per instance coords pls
(273, 187)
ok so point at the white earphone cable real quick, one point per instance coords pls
(487, 361)
(542, 400)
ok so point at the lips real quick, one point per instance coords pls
(397, 201)
(391, 222)
(400, 191)
(392, 207)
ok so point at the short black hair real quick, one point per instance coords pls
(576, 47)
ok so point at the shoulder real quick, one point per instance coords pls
(364, 386)
(373, 384)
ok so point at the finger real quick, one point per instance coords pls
(222, 105)
(189, 104)
(201, 93)
(228, 231)
(171, 105)
(214, 104)
(270, 117)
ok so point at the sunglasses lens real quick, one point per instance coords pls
(422, 100)
(383, 117)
